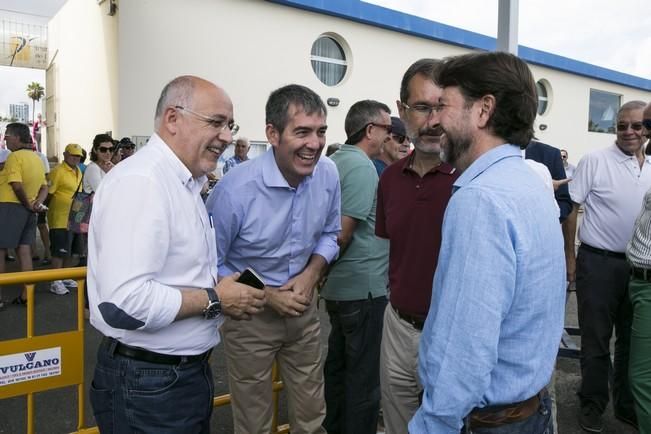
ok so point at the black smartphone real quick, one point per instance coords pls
(251, 278)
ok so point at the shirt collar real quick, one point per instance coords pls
(271, 175)
(407, 162)
(485, 161)
(178, 168)
(621, 157)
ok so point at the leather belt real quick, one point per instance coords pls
(116, 347)
(641, 273)
(499, 415)
(602, 252)
(415, 321)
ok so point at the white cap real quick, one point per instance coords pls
(4, 154)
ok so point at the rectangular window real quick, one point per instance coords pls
(603, 111)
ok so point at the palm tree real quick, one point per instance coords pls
(35, 92)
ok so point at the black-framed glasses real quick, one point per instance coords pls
(104, 150)
(424, 109)
(398, 138)
(635, 126)
(647, 124)
(387, 127)
(219, 124)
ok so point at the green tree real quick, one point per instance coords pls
(35, 92)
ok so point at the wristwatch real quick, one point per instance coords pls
(214, 306)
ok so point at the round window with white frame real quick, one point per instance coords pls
(328, 59)
(543, 90)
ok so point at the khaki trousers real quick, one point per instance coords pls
(252, 346)
(399, 372)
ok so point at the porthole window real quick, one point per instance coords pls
(328, 60)
(542, 89)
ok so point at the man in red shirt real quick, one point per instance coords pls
(412, 196)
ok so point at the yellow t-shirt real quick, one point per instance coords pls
(22, 166)
(64, 182)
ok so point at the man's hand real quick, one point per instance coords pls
(558, 182)
(303, 283)
(286, 302)
(239, 301)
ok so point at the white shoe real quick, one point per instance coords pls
(58, 288)
(70, 283)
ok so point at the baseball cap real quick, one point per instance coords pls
(74, 149)
(397, 127)
(4, 154)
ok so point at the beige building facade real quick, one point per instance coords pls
(106, 72)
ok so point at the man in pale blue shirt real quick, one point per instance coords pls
(491, 336)
(280, 215)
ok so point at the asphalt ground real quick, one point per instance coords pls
(56, 410)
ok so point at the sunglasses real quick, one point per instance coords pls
(128, 147)
(398, 138)
(104, 150)
(635, 126)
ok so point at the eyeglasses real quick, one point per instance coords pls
(219, 124)
(647, 124)
(398, 138)
(104, 150)
(635, 126)
(563, 157)
(388, 127)
(424, 109)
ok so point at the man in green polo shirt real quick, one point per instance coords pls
(356, 287)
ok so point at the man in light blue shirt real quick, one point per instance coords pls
(280, 215)
(490, 340)
(241, 154)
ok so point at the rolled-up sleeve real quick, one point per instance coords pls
(327, 245)
(130, 237)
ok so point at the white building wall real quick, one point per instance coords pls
(251, 47)
(82, 78)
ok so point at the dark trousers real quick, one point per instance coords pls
(603, 302)
(352, 367)
(540, 422)
(131, 396)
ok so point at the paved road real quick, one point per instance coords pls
(56, 410)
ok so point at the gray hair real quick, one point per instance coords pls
(179, 91)
(631, 105)
(280, 100)
(361, 114)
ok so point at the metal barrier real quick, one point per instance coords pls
(40, 358)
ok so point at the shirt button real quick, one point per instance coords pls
(418, 186)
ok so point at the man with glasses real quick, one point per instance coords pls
(412, 196)
(152, 282)
(611, 184)
(127, 147)
(356, 286)
(569, 167)
(22, 192)
(280, 217)
(393, 149)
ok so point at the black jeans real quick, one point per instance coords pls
(352, 367)
(603, 302)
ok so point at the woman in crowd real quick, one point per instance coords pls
(100, 162)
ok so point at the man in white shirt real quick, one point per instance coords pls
(610, 183)
(152, 285)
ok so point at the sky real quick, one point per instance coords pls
(607, 33)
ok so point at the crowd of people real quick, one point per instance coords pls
(443, 268)
(35, 198)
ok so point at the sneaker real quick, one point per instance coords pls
(46, 261)
(69, 283)
(58, 288)
(590, 419)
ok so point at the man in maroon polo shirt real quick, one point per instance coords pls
(412, 196)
